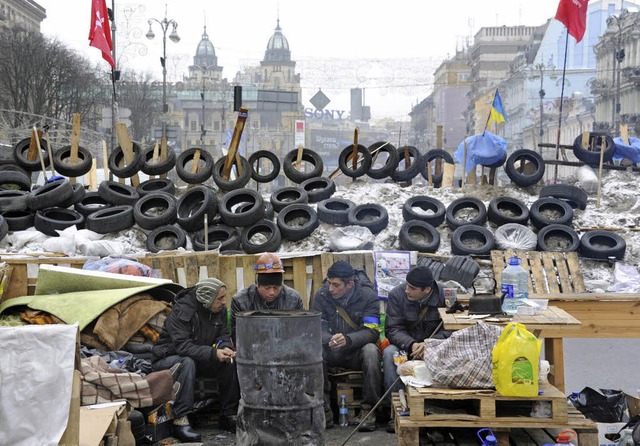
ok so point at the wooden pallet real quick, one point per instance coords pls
(443, 406)
(549, 272)
(514, 432)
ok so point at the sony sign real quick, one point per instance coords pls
(311, 113)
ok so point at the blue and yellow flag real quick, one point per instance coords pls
(497, 113)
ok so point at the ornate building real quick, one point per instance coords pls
(25, 14)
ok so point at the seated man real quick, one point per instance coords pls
(411, 317)
(268, 293)
(350, 318)
(196, 336)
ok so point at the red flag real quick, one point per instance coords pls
(573, 14)
(100, 31)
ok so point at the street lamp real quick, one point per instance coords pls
(618, 57)
(541, 67)
(203, 131)
(164, 24)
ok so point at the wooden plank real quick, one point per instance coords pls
(191, 269)
(75, 142)
(575, 272)
(300, 279)
(447, 175)
(563, 272)
(235, 142)
(18, 286)
(127, 149)
(549, 268)
(539, 280)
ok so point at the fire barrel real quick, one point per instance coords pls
(279, 364)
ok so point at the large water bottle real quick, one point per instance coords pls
(515, 285)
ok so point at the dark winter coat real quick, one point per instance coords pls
(360, 303)
(192, 330)
(402, 313)
(248, 299)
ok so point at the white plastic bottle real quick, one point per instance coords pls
(515, 285)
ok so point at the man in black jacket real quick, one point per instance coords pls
(350, 319)
(411, 317)
(196, 336)
(268, 293)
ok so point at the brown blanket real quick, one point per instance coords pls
(101, 383)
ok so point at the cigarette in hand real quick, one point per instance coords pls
(332, 342)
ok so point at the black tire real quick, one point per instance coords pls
(269, 237)
(407, 174)
(155, 209)
(602, 245)
(335, 211)
(437, 210)
(371, 215)
(431, 156)
(287, 195)
(241, 180)
(472, 240)
(529, 176)
(19, 220)
(129, 169)
(558, 238)
(91, 203)
(503, 210)
(14, 180)
(275, 163)
(193, 205)
(498, 163)
(13, 200)
(62, 159)
(269, 213)
(435, 266)
(50, 195)
(318, 189)
(462, 269)
(345, 162)
(50, 220)
(592, 158)
(390, 164)
(574, 195)
(14, 168)
(158, 167)
(78, 194)
(156, 185)
(308, 156)
(221, 237)
(166, 238)
(184, 166)
(416, 235)
(118, 193)
(20, 151)
(549, 211)
(237, 197)
(111, 219)
(297, 221)
(455, 220)
(4, 228)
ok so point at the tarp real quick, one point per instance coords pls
(483, 149)
(624, 150)
(36, 376)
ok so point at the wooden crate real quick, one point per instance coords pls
(442, 406)
(549, 272)
(519, 431)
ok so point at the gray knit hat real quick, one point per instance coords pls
(207, 290)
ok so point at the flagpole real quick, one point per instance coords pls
(564, 70)
(490, 108)
(114, 103)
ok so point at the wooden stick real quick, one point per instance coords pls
(50, 151)
(163, 152)
(374, 154)
(603, 147)
(464, 162)
(75, 143)
(354, 153)
(235, 142)
(44, 169)
(105, 160)
(31, 153)
(299, 157)
(196, 161)
(127, 149)
(429, 174)
(93, 175)
(206, 232)
(624, 133)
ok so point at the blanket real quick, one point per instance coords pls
(101, 384)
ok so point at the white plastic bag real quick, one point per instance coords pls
(626, 279)
(515, 236)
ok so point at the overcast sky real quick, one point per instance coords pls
(388, 48)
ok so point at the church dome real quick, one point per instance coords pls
(278, 47)
(205, 53)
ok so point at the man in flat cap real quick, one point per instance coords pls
(196, 336)
(411, 317)
(350, 319)
(268, 293)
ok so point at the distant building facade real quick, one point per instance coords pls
(23, 14)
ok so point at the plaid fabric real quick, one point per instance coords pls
(464, 359)
(101, 383)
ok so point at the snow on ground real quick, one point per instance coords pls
(619, 208)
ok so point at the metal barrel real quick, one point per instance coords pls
(279, 364)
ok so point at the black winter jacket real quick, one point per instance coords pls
(192, 330)
(402, 313)
(362, 302)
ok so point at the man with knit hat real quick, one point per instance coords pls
(268, 293)
(350, 319)
(196, 336)
(411, 317)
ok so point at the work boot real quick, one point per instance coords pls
(369, 425)
(183, 431)
(391, 427)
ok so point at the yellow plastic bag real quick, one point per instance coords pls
(515, 362)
